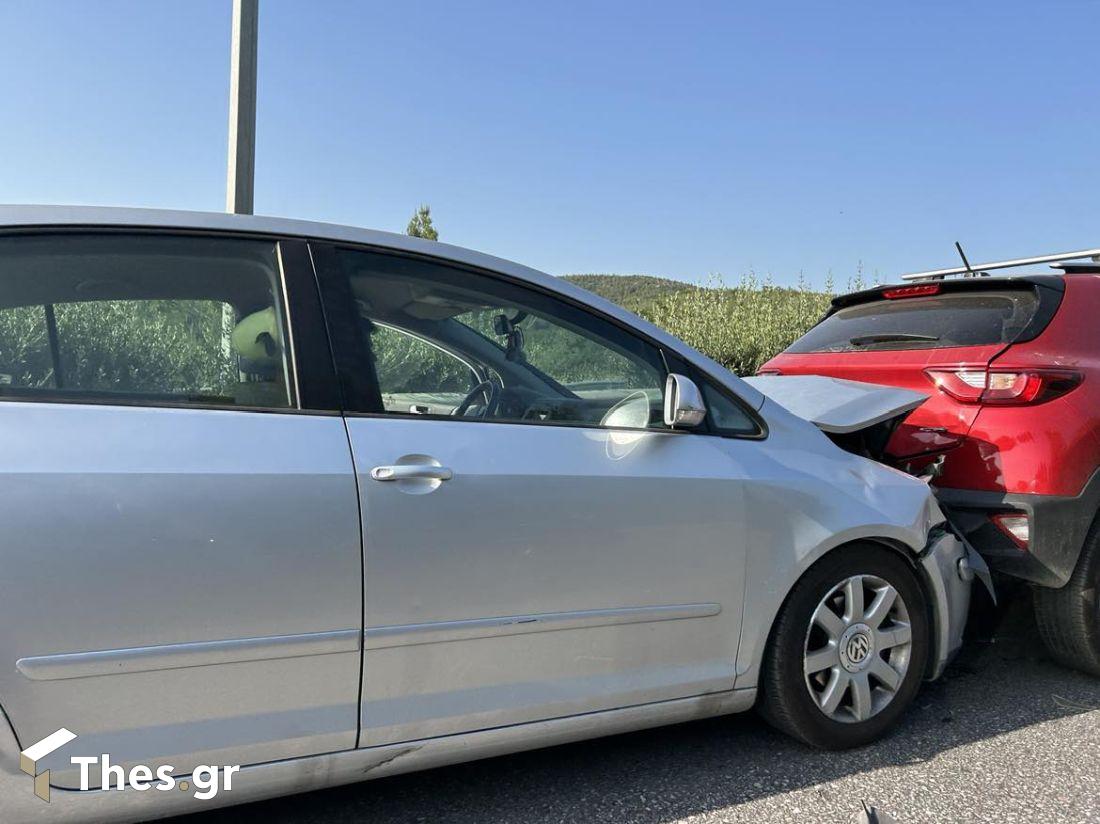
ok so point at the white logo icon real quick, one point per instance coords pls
(29, 758)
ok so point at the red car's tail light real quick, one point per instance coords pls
(1015, 525)
(911, 291)
(964, 385)
(1006, 387)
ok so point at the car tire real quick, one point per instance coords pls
(803, 701)
(1069, 618)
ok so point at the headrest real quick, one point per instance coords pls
(256, 340)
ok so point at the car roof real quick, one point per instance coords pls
(141, 218)
(31, 216)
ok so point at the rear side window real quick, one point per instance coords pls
(935, 322)
(142, 318)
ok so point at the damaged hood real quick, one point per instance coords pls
(838, 406)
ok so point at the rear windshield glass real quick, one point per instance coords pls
(936, 322)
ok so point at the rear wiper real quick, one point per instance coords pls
(889, 337)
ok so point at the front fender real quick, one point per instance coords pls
(806, 497)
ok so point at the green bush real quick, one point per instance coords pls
(741, 327)
(154, 346)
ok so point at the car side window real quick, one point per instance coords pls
(142, 319)
(727, 417)
(447, 341)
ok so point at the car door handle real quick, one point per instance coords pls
(403, 472)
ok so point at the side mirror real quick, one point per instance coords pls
(684, 405)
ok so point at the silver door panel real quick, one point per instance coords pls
(157, 559)
(495, 682)
(561, 525)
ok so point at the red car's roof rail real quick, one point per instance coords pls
(980, 269)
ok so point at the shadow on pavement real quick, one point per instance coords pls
(996, 685)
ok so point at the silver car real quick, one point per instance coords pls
(295, 505)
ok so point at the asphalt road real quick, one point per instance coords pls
(1006, 736)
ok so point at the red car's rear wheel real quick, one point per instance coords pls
(1069, 618)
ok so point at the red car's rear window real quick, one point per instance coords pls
(935, 322)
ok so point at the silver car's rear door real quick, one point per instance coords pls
(179, 540)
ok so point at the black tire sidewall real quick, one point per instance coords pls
(1084, 589)
(1090, 597)
(1069, 618)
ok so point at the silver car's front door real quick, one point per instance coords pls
(557, 571)
(547, 549)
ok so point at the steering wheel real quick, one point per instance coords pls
(486, 388)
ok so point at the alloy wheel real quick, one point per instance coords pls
(858, 648)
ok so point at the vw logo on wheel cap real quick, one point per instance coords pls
(859, 646)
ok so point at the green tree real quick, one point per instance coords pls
(421, 224)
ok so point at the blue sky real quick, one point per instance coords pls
(676, 139)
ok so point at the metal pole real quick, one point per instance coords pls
(241, 171)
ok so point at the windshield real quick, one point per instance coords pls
(935, 322)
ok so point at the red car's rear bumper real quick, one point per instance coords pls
(1059, 524)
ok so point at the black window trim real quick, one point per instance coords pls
(309, 345)
(311, 370)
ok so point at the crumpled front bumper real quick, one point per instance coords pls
(949, 566)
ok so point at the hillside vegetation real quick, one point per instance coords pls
(629, 291)
(741, 327)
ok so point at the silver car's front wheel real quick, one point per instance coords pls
(857, 648)
(849, 648)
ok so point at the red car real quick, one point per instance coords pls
(1011, 428)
